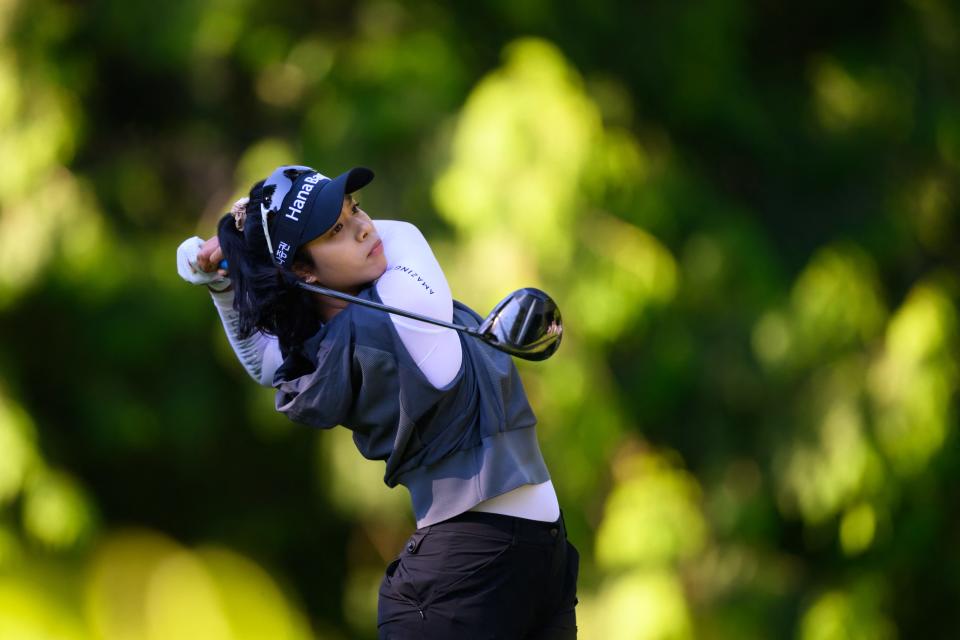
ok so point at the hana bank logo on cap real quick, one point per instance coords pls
(300, 201)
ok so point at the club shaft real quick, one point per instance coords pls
(382, 307)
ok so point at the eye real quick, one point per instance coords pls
(356, 207)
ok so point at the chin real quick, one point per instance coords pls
(372, 277)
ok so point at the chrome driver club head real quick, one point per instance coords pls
(525, 324)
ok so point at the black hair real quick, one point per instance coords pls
(266, 297)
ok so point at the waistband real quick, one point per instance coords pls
(463, 479)
(518, 529)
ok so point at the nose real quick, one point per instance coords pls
(366, 227)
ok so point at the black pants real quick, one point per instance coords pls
(482, 575)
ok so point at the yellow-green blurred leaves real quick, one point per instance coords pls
(120, 575)
(531, 162)
(579, 421)
(182, 601)
(878, 393)
(256, 163)
(857, 528)
(519, 152)
(360, 599)
(924, 329)
(652, 516)
(259, 160)
(630, 272)
(28, 612)
(56, 515)
(388, 58)
(10, 548)
(18, 447)
(830, 461)
(506, 264)
(845, 100)
(835, 311)
(914, 381)
(281, 84)
(703, 262)
(836, 300)
(252, 603)
(219, 26)
(56, 511)
(58, 222)
(355, 485)
(40, 136)
(638, 605)
(10, 95)
(313, 57)
(143, 586)
(939, 22)
(45, 210)
(928, 207)
(835, 304)
(854, 614)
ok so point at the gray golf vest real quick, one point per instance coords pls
(452, 447)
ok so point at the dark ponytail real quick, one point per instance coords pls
(266, 296)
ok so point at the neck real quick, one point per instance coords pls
(330, 307)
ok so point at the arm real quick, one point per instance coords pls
(197, 263)
(259, 353)
(415, 282)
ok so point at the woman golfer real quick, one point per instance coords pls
(447, 414)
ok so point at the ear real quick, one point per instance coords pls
(304, 273)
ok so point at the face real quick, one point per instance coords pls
(342, 256)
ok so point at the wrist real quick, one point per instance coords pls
(218, 287)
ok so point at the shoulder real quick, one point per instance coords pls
(460, 310)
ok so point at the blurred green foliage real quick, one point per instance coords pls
(748, 213)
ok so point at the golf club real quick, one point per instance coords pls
(525, 324)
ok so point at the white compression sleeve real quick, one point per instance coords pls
(413, 281)
(259, 353)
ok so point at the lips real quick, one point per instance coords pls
(377, 248)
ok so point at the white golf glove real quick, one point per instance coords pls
(189, 270)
